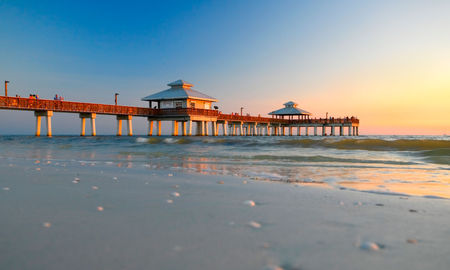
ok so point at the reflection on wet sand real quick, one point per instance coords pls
(388, 180)
(414, 182)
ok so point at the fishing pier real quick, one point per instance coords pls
(186, 108)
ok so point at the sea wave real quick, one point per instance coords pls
(372, 144)
(319, 158)
(439, 147)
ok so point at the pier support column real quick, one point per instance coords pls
(38, 125)
(119, 127)
(83, 117)
(349, 131)
(224, 128)
(341, 130)
(205, 128)
(129, 124)
(299, 131)
(283, 131)
(49, 123)
(255, 128)
(48, 115)
(150, 127)
(183, 128)
(215, 128)
(357, 130)
(332, 130)
(200, 128)
(354, 131)
(267, 130)
(158, 128)
(290, 131)
(306, 131)
(190, 128)
(83, 126)
(324, 130)
(93, 128)
(241, 129)
(174, 128)
(315, 130)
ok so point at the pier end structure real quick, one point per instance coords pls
(183, 106)
(301, 119)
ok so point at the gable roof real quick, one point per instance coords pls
(290, 109)
(179, 90)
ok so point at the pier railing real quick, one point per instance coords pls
(259, 119)
(32, 104)
(183, 111)
(17, 103)
(247, 118)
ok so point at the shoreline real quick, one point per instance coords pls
(51, 222)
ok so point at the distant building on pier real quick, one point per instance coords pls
(290, 110)
(180, 95)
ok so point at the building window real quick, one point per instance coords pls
(192, 105)
(178, 104)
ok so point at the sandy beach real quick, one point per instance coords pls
(63, 215)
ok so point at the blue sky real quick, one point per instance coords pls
(256, 54)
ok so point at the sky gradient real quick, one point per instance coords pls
(386, 62)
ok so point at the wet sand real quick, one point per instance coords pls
(101, 216)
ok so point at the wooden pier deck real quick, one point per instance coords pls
(232, 124)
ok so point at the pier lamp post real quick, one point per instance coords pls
(241, 110)
(115, 98)
(6, 88)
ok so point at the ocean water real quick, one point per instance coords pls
(391, 165)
